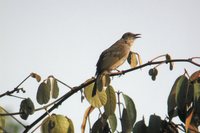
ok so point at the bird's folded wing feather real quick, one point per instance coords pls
(112, 56)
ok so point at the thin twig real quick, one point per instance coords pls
(16, 96)
(16, 89)
(14, 118)
(157, 57)
(64, 83)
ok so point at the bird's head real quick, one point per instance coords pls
(130, 37)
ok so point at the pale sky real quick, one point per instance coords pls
(65, 38)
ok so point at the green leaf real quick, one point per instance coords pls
(180, 84)
(180, 97)
(132, 59)
(101, 125)
(43, 93)
(171, 102)
(140, 127)
(110, 105)
(154, 124)
(98, 100)
(55, 124)
(196, 91)
(113, 122)
(196, 116)
(2, 119)
(184, 96)
(97, 127)
(55, 88)
(131, 110)
(27, 108)
(71, 126)
(126, 125)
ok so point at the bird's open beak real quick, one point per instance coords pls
(137, 35)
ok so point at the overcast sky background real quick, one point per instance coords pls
(65, 38)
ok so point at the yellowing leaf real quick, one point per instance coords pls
(195, 75)
(139, 59)
(36, 76)
(55, 88)
(86, 115)
(2, 119)
(43, 93)
(98, 100)
(110, 105)
(49, 83)
(132, 59)
(55, 124)
(188, 121)
(193, 128)
(71, 126)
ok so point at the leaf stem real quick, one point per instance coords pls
(14, 118)
(63, 83)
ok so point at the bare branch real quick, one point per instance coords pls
(16, 89)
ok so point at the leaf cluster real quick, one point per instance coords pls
(108, 99)
(184, 100)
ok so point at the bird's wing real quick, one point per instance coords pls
(112, 56)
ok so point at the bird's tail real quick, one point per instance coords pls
(94, 91)
(102, 80)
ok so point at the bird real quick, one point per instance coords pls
(113, 57)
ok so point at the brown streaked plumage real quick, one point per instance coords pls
(115, 56)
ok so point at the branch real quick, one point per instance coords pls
(83, 85)
(190, 60)
(16, 89)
